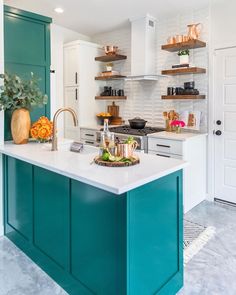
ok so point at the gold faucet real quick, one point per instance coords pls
(54, 136)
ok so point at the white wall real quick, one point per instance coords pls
(1, 117)
(144, 98)
(59, 36)
(223, 23)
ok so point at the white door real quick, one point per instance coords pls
(71, 101)
(71, 70)
(225, 124)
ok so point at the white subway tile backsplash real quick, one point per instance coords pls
(144, 97)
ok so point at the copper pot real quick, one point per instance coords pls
(110, 50)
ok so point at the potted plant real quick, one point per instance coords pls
(183, 56)
(20, 96)
(109, 66)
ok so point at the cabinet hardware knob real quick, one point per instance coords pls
(218, 132)
(218, 122)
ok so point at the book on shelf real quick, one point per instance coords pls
(180, 66)
(109, 73)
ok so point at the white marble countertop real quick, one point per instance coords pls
(176, 136)
(78, 166)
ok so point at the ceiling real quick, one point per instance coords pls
(91, 17)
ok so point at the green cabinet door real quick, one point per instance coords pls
(19, 194)
(51, 215)
(98, 239)
(26, 50)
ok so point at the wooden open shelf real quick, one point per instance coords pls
(183, 97)
(111, 97)
(191, 44)
(184, 71)
(114, 77)
(108, 58)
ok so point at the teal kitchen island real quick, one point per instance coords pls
(96, 230)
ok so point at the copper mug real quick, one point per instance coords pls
(171, 40)
(179, 38)
(126, 150)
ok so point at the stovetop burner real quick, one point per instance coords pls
(126, 129)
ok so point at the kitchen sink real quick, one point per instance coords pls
(64, 145)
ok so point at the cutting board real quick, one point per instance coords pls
(113, 110)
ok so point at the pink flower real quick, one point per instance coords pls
(177, 123)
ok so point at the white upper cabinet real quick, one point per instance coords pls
(80, 87)
(71, 66)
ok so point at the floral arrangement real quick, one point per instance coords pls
(178, 125)
(42, 129)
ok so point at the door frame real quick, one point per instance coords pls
(211, 119)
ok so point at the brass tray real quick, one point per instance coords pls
(135, 160)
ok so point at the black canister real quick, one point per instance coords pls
(170, 90)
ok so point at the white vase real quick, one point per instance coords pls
(109, 68)
(184, 59)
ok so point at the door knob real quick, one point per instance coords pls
(218, 132)
(218, 122)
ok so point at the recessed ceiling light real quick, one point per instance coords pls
(59, 10)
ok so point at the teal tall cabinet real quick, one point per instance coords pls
(26, 50)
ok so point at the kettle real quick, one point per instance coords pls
(194, 31)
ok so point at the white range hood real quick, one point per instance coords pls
(143, 49)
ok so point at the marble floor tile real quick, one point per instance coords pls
(211, 272)
(19, 275)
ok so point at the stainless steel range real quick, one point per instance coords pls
(140, 135)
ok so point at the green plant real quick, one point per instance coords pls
(17, 93)
(183, 52)
(110, 64)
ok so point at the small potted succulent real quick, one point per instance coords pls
(109, 66)
(18, 97)
(183, 56)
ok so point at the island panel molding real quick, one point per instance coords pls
(96, 242)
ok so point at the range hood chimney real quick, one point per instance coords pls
(143, 48)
